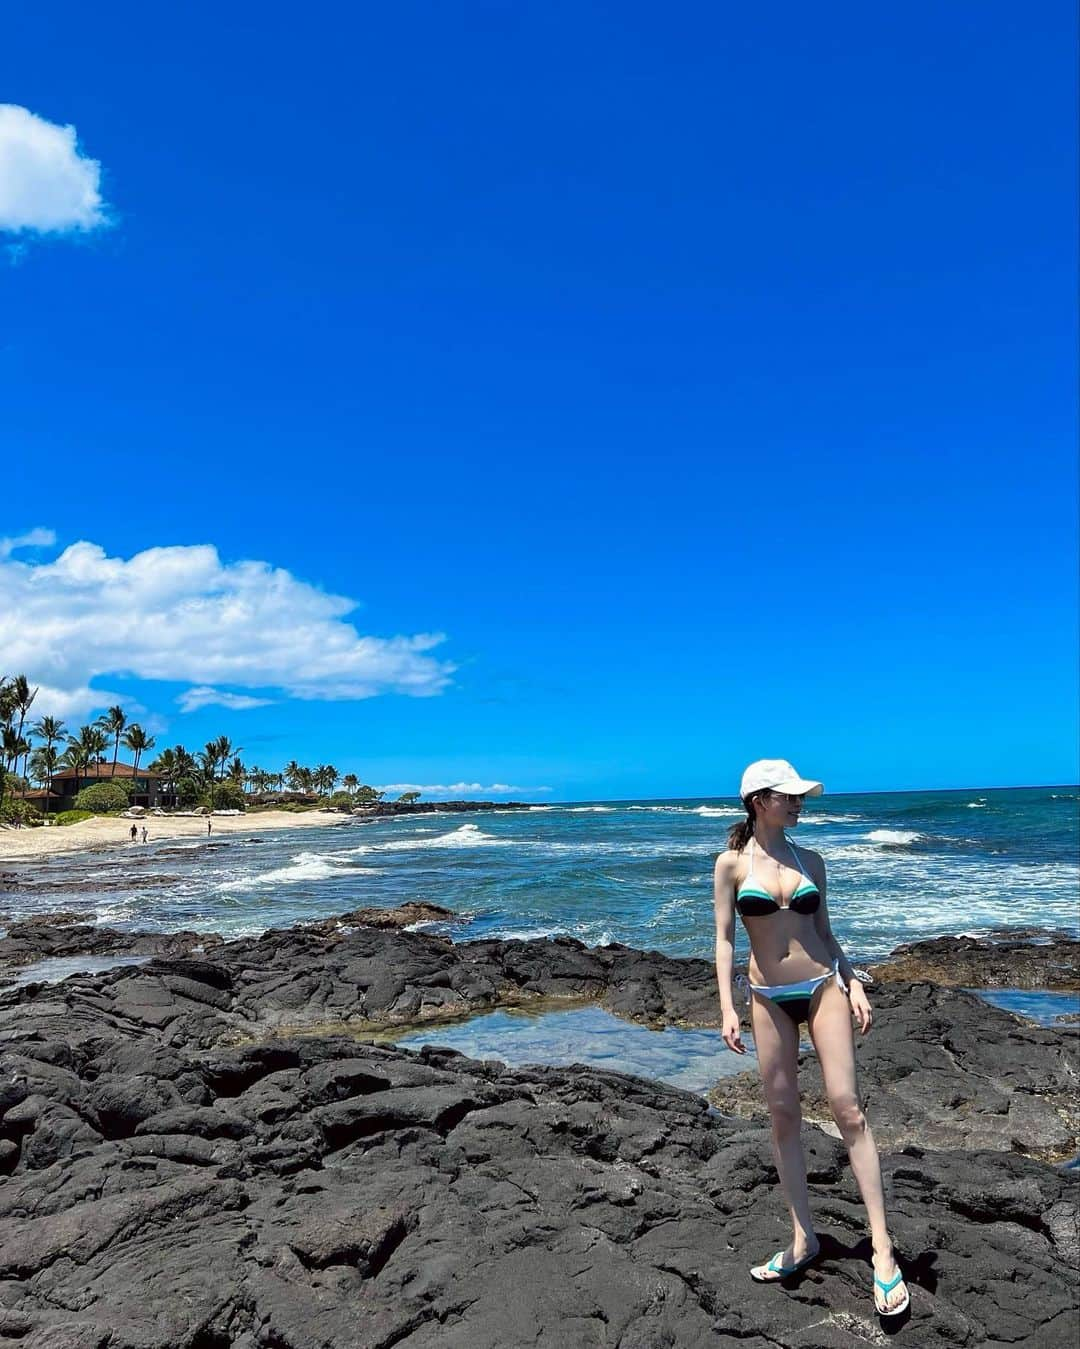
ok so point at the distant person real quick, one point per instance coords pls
(209, 826)
(797, 973)
(144, 833)
(134, 831)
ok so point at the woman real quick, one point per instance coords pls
(797, 973)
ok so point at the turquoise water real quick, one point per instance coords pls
(691, 1059)
(901, 867)
(1035, 1004)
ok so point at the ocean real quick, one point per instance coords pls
(901, 866)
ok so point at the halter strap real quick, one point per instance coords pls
(798, 861)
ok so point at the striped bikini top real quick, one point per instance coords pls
(754, 902)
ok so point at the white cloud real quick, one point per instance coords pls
(79, 702)
(46, 185)
(458, 788)
(192, 699)
(34, 538)
(183, 615)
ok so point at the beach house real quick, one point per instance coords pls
(66, 785)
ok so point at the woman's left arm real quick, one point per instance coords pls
(860, 1004)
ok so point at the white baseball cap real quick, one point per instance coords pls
(779, 774)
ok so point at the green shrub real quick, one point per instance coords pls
(102, 798)
(342, 799)
(188, 793)
(72, 816)
(20, 812)
(227, 795)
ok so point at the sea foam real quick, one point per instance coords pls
(896, 837)
(468, 836)
(305, 866)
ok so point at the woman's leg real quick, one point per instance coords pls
(776, 1039)
(834, 1040)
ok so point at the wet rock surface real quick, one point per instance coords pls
(344, 970)
(179, 1175)
(405, 915)
(379, 809)
(68, 934)
(1033, 958)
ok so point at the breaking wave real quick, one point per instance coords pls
(306, 866)
(468, 836)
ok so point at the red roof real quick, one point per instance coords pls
(105, 770)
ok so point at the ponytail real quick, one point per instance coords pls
(740, 834)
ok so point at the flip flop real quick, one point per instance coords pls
(776, 1267)
(885, 1290)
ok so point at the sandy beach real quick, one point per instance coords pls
(112, 832)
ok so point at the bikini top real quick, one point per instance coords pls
(754, 902)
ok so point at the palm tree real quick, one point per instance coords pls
(208, 762)
(292, 775)
(43, 763)
(7, 714)
(7, 702)
(14, 747)
(73, 757)
(23, 696)
(49, 729)
(185, 762)
(113, 723)
(218, 752)
(165, 763)
(84, 749)
(350, 782)
(170, 768)
(136, 740)
(76, 757)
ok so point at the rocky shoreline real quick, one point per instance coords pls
(1024, 958)
(383, 808)
(197, 1156)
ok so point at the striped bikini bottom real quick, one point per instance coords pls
(795, 999)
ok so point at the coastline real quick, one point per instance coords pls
(109, 832)
(233, 1151)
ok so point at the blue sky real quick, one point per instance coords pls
(703, 376)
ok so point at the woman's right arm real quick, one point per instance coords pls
(724, 910)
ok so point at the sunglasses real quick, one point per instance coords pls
(792, 798)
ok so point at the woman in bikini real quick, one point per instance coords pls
(797, 973)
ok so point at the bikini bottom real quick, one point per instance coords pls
(795, 999)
